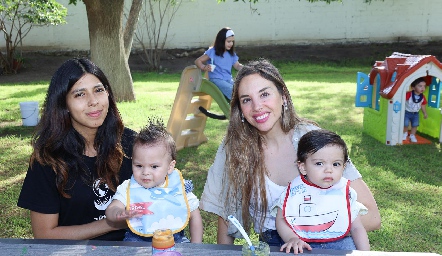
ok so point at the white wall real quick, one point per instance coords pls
(275, 22)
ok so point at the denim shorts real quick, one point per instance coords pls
(273, 239)
(411, 117)
(132, 237)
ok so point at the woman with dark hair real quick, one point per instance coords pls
(219, 60)
(257, 159)
(81, 153)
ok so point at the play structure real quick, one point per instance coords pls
(192, 107)
(382, 95)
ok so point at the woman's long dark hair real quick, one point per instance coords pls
(57, 144)
(220, 43)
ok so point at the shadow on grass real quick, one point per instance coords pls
(416, 162)
(18, 131)
(28, 93)
(405, 181)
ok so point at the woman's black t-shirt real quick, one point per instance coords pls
(86, 204)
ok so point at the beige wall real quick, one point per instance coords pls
(274, 22)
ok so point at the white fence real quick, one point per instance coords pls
(274, 22)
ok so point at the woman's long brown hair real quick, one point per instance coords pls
(58, 145)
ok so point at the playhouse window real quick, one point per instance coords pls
(367, 95)
(434, 93)
(363, 91)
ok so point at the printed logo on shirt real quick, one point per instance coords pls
(103, 195)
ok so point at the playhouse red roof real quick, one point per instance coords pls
(395, 68)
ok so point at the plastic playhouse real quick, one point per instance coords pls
(191, 108)
(382, 95)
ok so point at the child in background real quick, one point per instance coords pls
(414, 101)
(222, 55)
(319, 207)
(158, 196)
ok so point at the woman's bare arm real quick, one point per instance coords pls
(222, 236)
(372, 220)
(45, 226)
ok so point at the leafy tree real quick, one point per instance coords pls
(17, 17)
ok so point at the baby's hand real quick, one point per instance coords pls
(425, 116)
(128, 214)
(297, 245)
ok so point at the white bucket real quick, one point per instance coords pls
(29, 113)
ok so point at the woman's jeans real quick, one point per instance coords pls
(273, 239)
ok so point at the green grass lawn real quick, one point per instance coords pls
(405, 180)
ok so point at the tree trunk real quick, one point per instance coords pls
(105, 20)
(131, 24)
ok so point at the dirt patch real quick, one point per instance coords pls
(40, 66)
